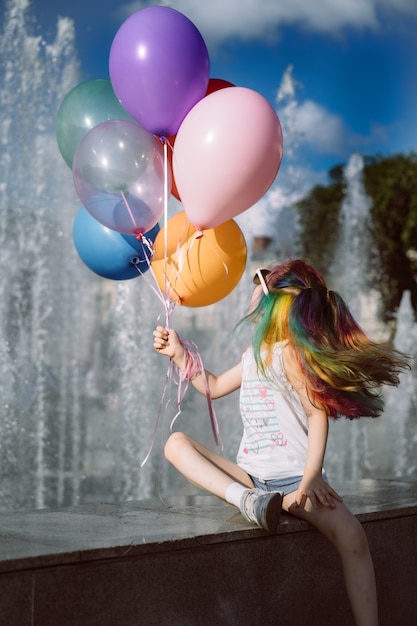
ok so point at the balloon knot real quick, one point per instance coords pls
(199, 233)
(139, 236)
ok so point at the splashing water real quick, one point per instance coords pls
(360, 448)
(35, 301)
(70, 343)
(401, 402)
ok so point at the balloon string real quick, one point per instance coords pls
(182, 255)
(159, 414)
(193, 366)
(200, 234)
(167, 303)
(166, 217)
(165, 296)
(129, 210)
(193, 362)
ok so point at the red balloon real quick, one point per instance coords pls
(217, 83)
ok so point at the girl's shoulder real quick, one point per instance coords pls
(277, 350)
(281, 350)
(275, 369)
(291, 367)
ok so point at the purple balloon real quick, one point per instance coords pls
(159, 68)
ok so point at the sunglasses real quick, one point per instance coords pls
(259, 279)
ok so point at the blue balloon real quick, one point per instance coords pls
(109, 253)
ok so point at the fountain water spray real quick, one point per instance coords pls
(70, 342)
(359, 449)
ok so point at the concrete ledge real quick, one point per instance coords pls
(194, 561)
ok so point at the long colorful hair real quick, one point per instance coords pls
(343, 368)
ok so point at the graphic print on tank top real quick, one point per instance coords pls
(260, 419)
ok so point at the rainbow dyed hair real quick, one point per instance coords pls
(344, 369)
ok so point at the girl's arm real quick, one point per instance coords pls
(312, 486)
(166, 342)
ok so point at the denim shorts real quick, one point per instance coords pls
(284, 485)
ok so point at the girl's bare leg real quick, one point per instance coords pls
(346, 533)
(202, 467)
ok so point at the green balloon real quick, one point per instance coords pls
(89, 103)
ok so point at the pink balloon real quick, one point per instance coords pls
(227, 153)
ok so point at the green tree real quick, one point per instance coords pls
(318, 219)
(391, 183)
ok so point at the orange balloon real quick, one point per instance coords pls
(201, 267)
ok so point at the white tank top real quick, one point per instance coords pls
(275, 425)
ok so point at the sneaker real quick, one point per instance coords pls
(262, 507)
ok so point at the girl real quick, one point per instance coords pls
(308, 361)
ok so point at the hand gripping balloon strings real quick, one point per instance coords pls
(191, 368)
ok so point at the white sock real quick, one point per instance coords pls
(234, 493)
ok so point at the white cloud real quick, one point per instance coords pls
(406, 7)
(313, 127)
(310, 128)
(318, 127)
(308, 124)
(219, 20)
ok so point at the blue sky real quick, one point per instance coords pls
(353, 65)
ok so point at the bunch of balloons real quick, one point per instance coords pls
(162, 125)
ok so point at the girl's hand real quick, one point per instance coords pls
(318, 491)
(166, 342)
